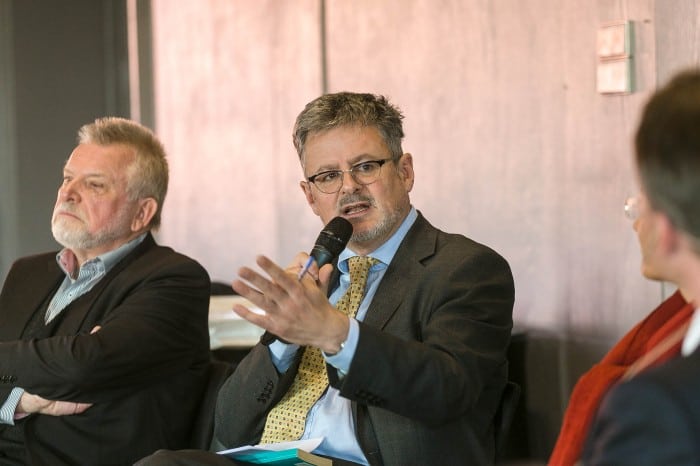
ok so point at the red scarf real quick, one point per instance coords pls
(590, 388)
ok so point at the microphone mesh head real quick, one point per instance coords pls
(332, 240)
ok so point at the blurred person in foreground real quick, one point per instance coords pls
(104, 344)
(645, 345)
(414, 375)
(653, 416)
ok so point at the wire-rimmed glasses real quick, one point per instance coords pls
(631, 208)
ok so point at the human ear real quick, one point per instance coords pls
(308, 193)
(670, 238)
(405, 168)
(144, 214)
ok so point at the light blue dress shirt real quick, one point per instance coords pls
(331, 416)
(89, 274)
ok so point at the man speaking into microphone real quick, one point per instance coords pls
(395, 354)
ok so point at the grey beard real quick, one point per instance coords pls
(80, 239)
(381, 229)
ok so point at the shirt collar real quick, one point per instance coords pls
(384, 253)
(67, 261)
(692, 335)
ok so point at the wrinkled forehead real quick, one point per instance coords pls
(111, 161)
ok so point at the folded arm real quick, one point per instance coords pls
(153, 325)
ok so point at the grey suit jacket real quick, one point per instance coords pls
(430, 364)
(144, 370)
(653, 419)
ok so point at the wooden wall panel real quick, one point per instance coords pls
(678, 36)
(230, 77)
(513, 146)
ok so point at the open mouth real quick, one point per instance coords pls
(356, 208)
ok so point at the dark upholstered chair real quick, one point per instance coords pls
(505, 415)
(203, 427)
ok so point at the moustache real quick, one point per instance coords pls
(355, 198)
(67, 209)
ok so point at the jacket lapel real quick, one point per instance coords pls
(405, 269)
(30, 295)
(76, 312)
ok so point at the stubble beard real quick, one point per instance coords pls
(382, 229)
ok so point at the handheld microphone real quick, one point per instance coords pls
(330, 242)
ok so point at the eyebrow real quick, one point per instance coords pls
(99, 175)
(353, 161)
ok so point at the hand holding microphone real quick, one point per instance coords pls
(330, 242)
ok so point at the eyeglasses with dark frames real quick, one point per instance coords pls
(364, 173)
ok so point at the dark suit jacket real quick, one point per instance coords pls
(143, 370)
(430, 364)
(653, 419)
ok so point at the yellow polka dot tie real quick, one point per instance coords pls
(286, 421)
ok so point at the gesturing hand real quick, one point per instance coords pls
(296, 311)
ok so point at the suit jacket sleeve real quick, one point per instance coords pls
(247, 396)
(641, 423)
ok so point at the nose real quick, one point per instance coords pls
(350, 184)
(68, 192)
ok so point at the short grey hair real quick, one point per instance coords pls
(148, 175)
(350, 109)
